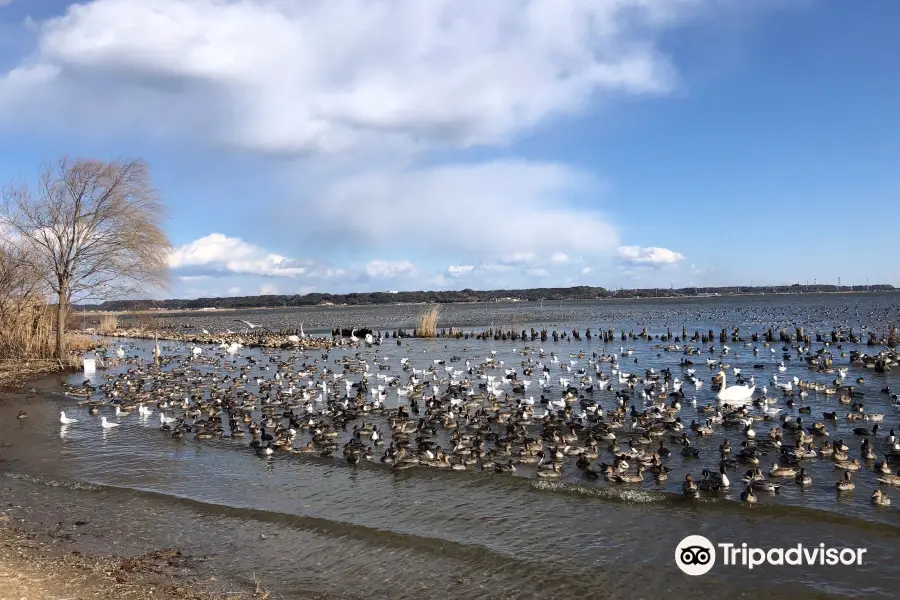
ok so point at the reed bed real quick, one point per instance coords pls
(26, 330)
(109, 323)
(428, 322)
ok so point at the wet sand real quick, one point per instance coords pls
(55, 543)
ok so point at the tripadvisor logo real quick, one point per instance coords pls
(696, 555)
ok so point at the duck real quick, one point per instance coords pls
(778, 471)
(22, 415)
(846, 484)
(689, 487)
(801, 478)
(890, 478)
(627, 478)
(879, 498)
(748, 496)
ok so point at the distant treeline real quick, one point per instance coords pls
(467, 295)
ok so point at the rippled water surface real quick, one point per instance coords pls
(307, 522)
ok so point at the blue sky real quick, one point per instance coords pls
(358, 145)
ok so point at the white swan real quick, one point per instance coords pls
(106, 424)
(735, 393)
(64, 419)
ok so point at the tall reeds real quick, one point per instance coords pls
(27, 321)
(26, 329)
(109, 323)
(428, 322)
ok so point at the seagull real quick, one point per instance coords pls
(64, 419)
(250, 325)
(106, 424)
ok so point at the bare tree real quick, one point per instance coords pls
(94, 229)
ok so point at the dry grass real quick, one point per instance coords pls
(428, 322)
(109, 323)
(26, 330)
(77, 343)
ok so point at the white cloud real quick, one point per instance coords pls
(585, 270)
(299, 76)
(219, 254)
(345, 81)
(648, 256)
(510, 209)
(460, 271)
(389, 269)
(268, 289)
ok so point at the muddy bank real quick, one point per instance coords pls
(33, 565)
(51, 549)
(15, 374)
(67, 539)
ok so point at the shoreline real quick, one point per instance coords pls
(15, 374)
(47, 550)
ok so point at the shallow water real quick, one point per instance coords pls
(367, 531)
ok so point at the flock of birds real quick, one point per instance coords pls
(462, 413)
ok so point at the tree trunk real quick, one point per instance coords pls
(61, 325)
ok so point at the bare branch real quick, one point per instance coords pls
(91, 229)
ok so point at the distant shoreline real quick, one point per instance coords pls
(504, 300)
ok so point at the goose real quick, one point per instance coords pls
(66, 420)
(106, 424)
(720, 478)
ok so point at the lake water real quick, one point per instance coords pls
(367, 531)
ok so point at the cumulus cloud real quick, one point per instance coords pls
(389, 269)
(218, 254)
(460, 271)
(299, 76)
(649, 256)
(332, 84)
